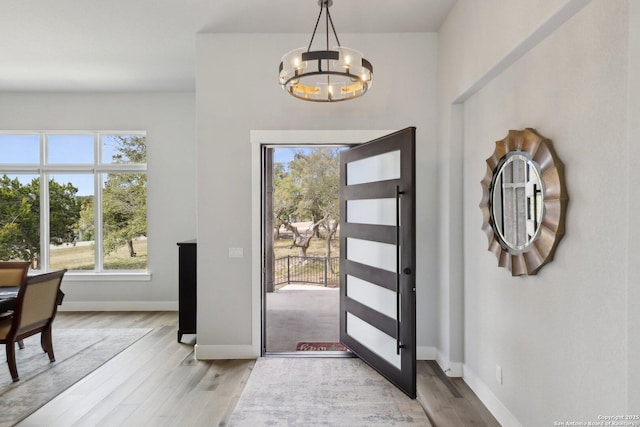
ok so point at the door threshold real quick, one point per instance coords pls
(314, 354)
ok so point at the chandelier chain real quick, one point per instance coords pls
(334, 30)
(315, 29)
(326, 25)
(328, 20)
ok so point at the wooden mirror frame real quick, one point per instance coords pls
(555, 200)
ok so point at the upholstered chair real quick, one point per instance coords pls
(13, 273)
(34, 313)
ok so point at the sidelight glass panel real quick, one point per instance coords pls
(382, 167)
(374, 339)
(373, 296)
(372, 211)
(374, 254)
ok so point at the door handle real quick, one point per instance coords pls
(398, 253)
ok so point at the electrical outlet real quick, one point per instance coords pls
(236, 253)
(499, 374)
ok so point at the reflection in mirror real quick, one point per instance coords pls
(517, 201)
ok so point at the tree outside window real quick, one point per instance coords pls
(114, 238)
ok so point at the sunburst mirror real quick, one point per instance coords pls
(523, 202)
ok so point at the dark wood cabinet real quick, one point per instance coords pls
(187, 296)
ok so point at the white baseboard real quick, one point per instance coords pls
(119, 306)
(426, 353)
(212, 352)
(452, 369)
(493, 404)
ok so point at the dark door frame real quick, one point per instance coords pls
(281, 137)
(266, 244)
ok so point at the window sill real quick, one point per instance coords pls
(72, 276)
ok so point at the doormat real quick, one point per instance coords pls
(320, 346)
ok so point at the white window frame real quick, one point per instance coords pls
(97, 168)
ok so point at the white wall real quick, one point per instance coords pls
(169, 119)
(477, 41)
(564, 337)
(238, 91)
(633, 153)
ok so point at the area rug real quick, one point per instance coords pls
(320, 346)
(78, 352)
(322, 392)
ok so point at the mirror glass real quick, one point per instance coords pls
(517, 201)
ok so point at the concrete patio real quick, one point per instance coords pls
(301, 313)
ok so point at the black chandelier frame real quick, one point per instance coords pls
(290, 84)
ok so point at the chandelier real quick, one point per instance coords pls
(325, 75)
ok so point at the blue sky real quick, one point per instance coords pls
(67, 149)
(285, 155)
(78, 149)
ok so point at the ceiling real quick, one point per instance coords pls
(149, 45)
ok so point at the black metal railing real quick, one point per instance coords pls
(297, 269)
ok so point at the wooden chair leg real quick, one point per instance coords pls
(11, 361)
(21, 344)
(47, 343)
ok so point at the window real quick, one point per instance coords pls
(74, 200)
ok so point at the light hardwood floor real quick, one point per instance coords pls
(157, 382)
(154, 382)
(449, 402)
